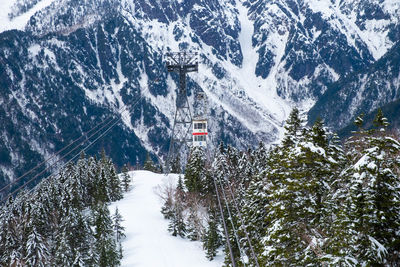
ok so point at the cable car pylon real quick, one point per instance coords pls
(181, 63)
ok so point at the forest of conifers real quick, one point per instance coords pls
(312, 200)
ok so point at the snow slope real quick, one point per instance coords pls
(147, 241)
(20, 21)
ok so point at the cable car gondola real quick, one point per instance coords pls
(200, 132)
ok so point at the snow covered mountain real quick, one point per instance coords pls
(68, 64)
(362, 92)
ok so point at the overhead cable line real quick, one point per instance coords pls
(117, 120)
(242, 222)
(87, 147)
(231, 219)
(228, 242)
(54, 163)
(53, 156)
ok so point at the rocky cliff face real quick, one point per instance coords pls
(361, 92)
(70, 64)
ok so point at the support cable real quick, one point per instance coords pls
(228, 242)
(111, 118)
(117, 120)
(231, 219)
(242, 222)
(84, 149)
(54, 163)
(57, 161)
(244, 228)
(53, 156)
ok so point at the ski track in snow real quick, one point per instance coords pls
(147, 242)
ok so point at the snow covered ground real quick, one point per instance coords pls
(20, 21)
(147, 241)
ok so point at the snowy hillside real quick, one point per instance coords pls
(147, 242)
(15, 14)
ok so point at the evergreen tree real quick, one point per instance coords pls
(149, 164)
(90, 182)
(176, 165)
(209, 188)
(73, 188)
(105, 242)
(234, 235)
(246, 170)
(264, 202)
(118, 228)
(220, 168)
(177, 225)
(79, 236)
(212, 239)
(254, 212)
(51, 225)
(232, 160)
(192, 229)
(260, 162)
(16, 259)
(112, 187)
(115, 192)
(195, 171)
(63, 255)
(179, 185)
(118, 231)
(101, 193)
(373, 198)
(195, 228)
(126, 179)
(37, 250)
(79, 262)
(225, 172)
(380, 122)
(167, 209)
(335, 209)
(299, 209)
(294, 129)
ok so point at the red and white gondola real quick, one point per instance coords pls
(200, 133)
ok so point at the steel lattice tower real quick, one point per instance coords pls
(182, 63)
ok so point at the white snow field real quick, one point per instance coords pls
(148, 242)
(19, 22)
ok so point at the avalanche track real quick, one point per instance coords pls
(147, 242)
